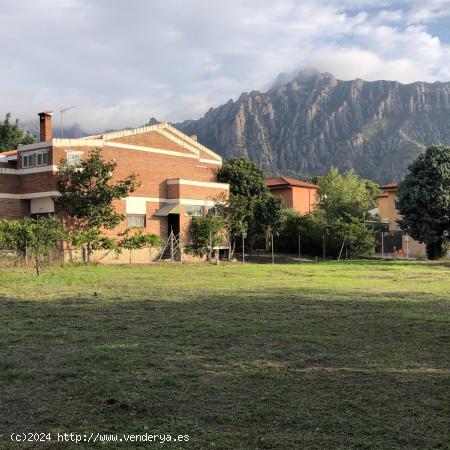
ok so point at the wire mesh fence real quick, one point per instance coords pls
(12, 259)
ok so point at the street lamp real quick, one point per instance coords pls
(61, 112)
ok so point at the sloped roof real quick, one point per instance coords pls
(389, 187)
(165, 130)
(286, 181)
(9, 153)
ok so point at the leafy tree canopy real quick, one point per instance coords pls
(206, 232)
(244, 176)
(423, 200)
(345, 195)
(87, 195)
(32, 236)
(251, 209)
(88, 191)
(11, 135)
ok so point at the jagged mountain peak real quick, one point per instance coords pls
(309, 121)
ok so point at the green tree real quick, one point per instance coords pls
(11, 135)
(337, 222)
(206, 233)
(137, 241)
(87, 195)
(253, 208)
(33, 237)
(244, 176)
(341, 195)
(343, 204)
(268, 216)
(423, 200)
(294, 225)
(236, 212)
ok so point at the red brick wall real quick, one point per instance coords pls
(14, 209)
(200, 192)
(152, 139)
(37, 182)
(152, 170)
(9, 184)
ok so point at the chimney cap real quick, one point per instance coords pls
(46, 113)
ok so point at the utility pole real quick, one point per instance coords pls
(61, 112)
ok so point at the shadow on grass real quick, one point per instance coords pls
(271, 368)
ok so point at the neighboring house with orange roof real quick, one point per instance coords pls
(406, 245)
(297, 195)
(386, 204)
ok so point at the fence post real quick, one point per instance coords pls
(271, 245)
(342, 248)
(181, 248)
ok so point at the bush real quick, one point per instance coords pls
(206, 232)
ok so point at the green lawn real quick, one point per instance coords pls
(309, 356)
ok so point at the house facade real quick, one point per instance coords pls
(178, 175)
(402, 243)
(297, 195)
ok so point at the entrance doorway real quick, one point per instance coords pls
(173, 221)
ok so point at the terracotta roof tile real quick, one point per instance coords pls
(286, 181)
(390, 186)
(8, 153)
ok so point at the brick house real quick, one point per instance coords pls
(178, 175)
(297, 195)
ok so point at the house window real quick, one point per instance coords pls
(193, 210)
(27, 161)
(73, 158)
(136, 220)
(42, 159)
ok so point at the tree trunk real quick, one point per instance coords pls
(38, 264)
(88, 253)
(436, 249)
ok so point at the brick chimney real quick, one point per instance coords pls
(45, 125)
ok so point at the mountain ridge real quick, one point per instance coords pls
(315, 121)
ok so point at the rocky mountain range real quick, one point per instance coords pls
(303, 125)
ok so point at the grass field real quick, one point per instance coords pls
(308, 356)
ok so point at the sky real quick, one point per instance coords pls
(121, 62)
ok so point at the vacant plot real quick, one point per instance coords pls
(308, 356)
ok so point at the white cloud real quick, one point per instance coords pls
(123, 62)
